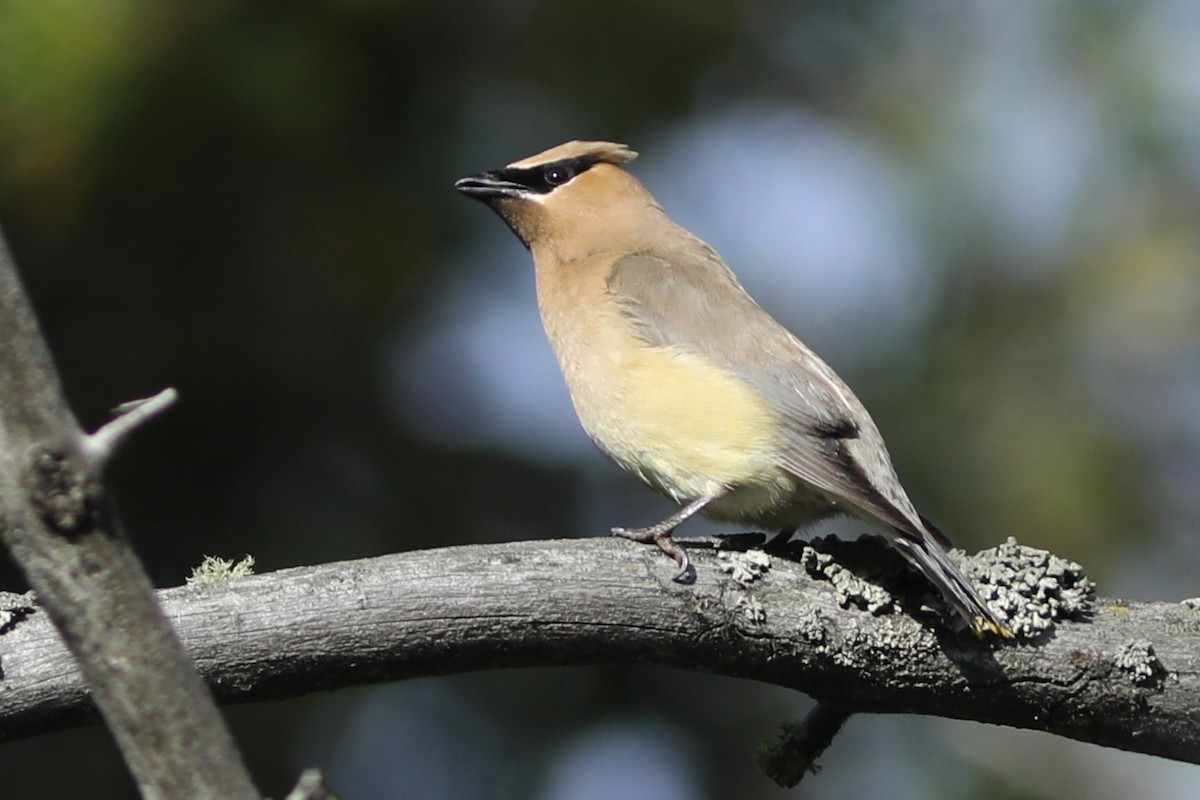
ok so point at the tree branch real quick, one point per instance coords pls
(56, 522)
(1126, 677)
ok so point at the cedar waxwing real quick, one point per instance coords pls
(682, 379)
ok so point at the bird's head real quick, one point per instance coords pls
(571, 197)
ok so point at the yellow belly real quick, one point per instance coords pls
(686, 427)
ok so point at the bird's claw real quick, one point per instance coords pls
(662, 539)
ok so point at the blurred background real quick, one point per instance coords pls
(986, 216)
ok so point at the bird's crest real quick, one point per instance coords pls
(593, 151)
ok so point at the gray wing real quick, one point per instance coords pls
(691, 300)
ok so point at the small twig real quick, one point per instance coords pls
(99, 447)
(787, 758)
(311, 786)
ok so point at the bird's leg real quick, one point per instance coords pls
(660, 534)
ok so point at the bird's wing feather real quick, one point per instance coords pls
(830, 440)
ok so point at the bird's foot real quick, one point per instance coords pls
(780, 540)
(660, 536)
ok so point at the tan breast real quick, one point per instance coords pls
(672, 417)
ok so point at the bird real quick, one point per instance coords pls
(682, 379)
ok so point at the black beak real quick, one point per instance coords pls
(488, 186)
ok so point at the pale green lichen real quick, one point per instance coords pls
(755, 612)
(215, 570)
(745, 568)
(850, 589)
(1138, 660)
(1030, 589)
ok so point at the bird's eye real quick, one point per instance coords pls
(557, 175)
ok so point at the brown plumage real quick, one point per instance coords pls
(681, 378)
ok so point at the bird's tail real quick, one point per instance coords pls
(924, 551)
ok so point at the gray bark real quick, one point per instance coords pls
(1125, 676)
